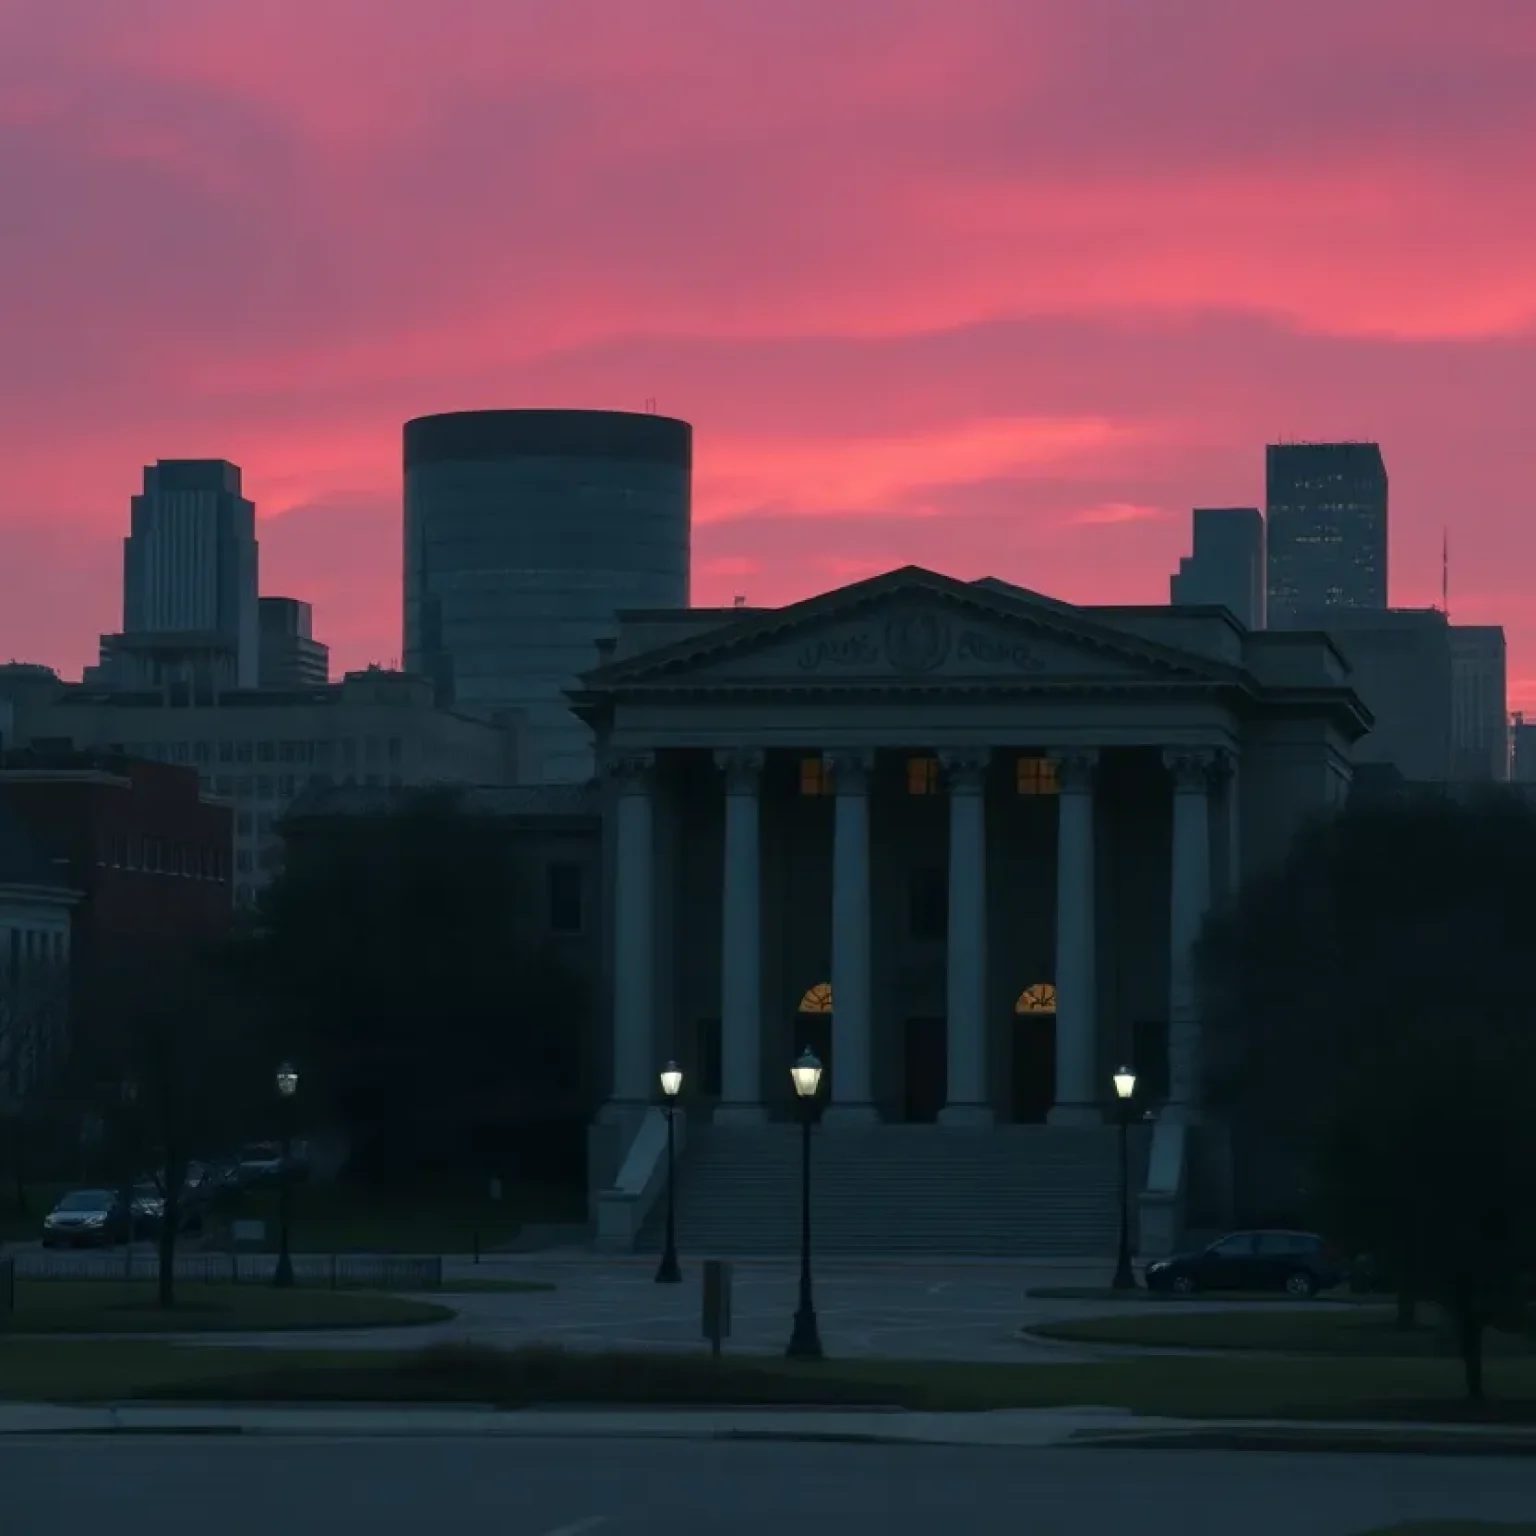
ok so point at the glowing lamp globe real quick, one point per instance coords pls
(1125, 1083)
(807, 1075)
(671, 1080)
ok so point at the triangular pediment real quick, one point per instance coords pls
(910, 627)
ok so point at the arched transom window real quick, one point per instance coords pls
(817, 999)
(1040, 998)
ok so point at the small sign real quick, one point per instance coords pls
(247, 1231)
(717, 1302)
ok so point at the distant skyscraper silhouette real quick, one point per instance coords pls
(190, 559)
(1226, 565)
(1326, 530)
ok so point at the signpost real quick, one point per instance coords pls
(717, 1303)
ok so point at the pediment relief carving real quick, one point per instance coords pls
(918, 641)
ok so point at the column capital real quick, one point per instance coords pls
(742, 767)
(1192, 768)
(1076, 768)
(850, 769)
(965, 769)
(632, 771)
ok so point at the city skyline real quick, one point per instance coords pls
(946, 308)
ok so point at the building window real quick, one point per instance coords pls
(243, 862)
(243, 752)
(565, 913)
(243, 786)
(223, 785)
(928, 903)
(243, 824)
(226, 751)
(266, 752)
(264, 824)
(264, 786)
(1037, 776)
(814, 778)
(181, 751)
(923, 776)
(395, 749)
(285, 786)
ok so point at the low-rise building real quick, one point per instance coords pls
(257, 748)
(36, 899)
(144, 852)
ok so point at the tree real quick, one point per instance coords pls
(167, 1025)
(399, 973)
(1369, 1012)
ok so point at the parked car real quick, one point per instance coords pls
(86, 1218)
(149, 1210)
(261, 1162)
(1297, 1263)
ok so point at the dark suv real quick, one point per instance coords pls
(1297, 1263)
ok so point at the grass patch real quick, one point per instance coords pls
(477, 1287)
(1422, 1391)
(1456, 1528)
(349, 1218)
(119, 1306)
(1352, 1331)
(1172, 1298)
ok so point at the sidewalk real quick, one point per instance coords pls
(1083, 1428)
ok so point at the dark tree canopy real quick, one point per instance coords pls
(1370, 1008)
(394, 961)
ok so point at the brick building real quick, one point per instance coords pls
(146, 852)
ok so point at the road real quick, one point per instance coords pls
(304, 1487)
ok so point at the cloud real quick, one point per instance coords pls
(952, 284)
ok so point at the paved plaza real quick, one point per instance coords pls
(915, 1311)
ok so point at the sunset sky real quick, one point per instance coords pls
(995, 286)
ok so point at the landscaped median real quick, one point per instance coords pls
(1215, 1388)
(131, 1306)
(1313, 1330)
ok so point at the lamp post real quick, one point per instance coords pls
(287, 1087)
(128, 1094)
(667, 1272)
(1125, 1089)
(805, 1339)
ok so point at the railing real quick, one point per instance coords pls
(337, 1271)
(621, 1211)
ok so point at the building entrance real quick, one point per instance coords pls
(1034, 1053)
(813, 1032)
(926, 1069)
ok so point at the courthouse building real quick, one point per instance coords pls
(958, 837)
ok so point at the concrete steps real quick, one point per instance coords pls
(1012, 1191)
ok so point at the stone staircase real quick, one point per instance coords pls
(1013, 1191)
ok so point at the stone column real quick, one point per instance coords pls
(741, 933)
(634, 931)
(852, 1100)
(1191, 769)
(968, 1102)
(1079, 1095)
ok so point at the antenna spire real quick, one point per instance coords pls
(1445, 571)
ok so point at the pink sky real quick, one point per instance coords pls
(995, 286)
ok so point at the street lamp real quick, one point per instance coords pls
(805, 1340)
(1125, 1090)
(287, 1087)
(667, 1272)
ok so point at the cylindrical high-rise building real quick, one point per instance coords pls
(525, 532)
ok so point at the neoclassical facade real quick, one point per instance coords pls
(958, 837)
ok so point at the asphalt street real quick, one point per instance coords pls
(144, 1486)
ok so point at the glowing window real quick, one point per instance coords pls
(1037, 776)
(818, 999)
(1040, 998)
(923, 777)
(814, 778)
